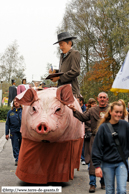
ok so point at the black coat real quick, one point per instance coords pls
(104, 148)
(12, 93)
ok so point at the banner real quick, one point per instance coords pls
(121, 82)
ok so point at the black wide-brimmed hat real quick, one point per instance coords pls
(64, 36)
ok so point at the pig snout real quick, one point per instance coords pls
(42, 128)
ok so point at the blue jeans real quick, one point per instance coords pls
(109, 172)
(82, 156)
(16, 143)
(93, 180)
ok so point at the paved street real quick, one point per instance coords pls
(79, 185)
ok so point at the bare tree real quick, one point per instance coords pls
(11, 63)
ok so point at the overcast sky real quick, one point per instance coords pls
(33, 24)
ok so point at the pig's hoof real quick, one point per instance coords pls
(77, 169)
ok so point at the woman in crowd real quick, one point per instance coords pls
(12, 126)
(105, 153)
(125, 115)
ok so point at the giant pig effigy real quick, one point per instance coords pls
(52, 138)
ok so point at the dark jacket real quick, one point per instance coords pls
(104, 148)
(94, 114)
(12, 93)
(83, 108)
(87, 146)
(13, 121)
(70, 66)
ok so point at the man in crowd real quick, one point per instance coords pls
(94, 114)
(12, 92)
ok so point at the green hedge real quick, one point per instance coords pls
(3, 112)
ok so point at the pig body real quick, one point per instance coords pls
(52, 138)
(47, 119)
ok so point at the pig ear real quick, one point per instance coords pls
(64, 94)
(27, 97)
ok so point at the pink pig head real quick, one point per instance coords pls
(46, 117)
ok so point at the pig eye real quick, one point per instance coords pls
(34, 108)
(57, 110)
